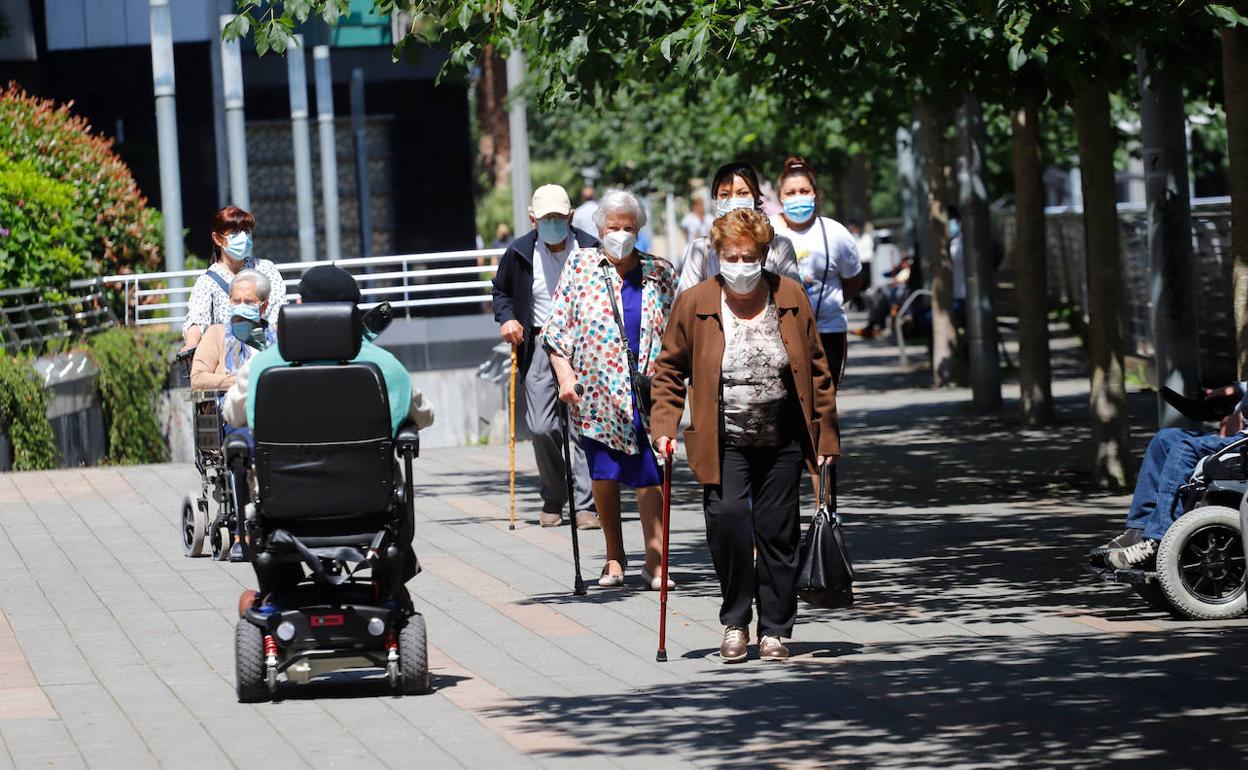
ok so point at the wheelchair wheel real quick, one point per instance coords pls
(249, 664)
(221, 542)
(194, 528)
(414, 657)
(1200, 564)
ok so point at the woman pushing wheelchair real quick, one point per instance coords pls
(763, 403)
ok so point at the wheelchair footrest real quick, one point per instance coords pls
(1128, 576)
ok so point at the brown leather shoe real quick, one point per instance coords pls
(771, 648)
(587, 520)
(736, 646)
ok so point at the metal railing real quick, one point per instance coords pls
(31, 318)
(407, 281)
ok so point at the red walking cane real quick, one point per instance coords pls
(661, 655)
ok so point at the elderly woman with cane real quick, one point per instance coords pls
(762, 403)
(604, 332)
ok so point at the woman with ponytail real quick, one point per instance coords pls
(827, 257)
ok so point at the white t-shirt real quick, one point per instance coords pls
(546, 270)
(583, 217)
(814, 263)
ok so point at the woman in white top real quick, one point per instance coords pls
(735, 186)
(231, 251)
(827, 257)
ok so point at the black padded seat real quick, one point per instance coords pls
(324, 447)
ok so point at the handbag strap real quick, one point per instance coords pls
(619, 322)
(827, 262)
(825, 484)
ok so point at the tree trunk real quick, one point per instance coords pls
(494, 139)
(1031, 277)
(1173, 273)
(1235, 84)
(981, 317)
(1105, 283)
(938, 174)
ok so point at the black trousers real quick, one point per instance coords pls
(836, 348)
(756, 503)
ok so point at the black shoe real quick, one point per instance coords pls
(1141, 555)
(1128, 538)
(236, 552)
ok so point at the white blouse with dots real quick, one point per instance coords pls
(210, 304)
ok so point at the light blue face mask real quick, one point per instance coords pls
(955, 227)
(238, 246)
(245, 323)
(552, 230)
(799, 208)
(724, 205)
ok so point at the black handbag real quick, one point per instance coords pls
(640, 383)
(825, 576)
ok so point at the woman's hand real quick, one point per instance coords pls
(826, 460)
(569, 389)
(665, 446)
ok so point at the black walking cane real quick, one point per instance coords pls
(578, 584)
(661, 655)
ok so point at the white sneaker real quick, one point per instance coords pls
(1132, 556)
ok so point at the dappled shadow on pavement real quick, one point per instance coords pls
(1106, 701)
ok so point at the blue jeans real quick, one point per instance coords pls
(1168, 464)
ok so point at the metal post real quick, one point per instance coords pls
(362, 189)
(167, 132)
(908, 173)
(235, 123)
(329, 158)
(1173, 273)
(297, 77)
(220, 150)
(981, 319)
(517, 122)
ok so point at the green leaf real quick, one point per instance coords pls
(1227, 14)
(1018, 57)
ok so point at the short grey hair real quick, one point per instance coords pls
(619, 202)
(261, 281)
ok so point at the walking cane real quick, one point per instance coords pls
(661, 655)
(511, 441)
(578, 585)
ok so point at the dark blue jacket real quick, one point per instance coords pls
(513, 285)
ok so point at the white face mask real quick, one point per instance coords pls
(741, 277)
(618, 244)
(724, 205)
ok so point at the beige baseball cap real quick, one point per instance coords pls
(550, 199)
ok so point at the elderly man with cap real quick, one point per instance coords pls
(330, 284)
(526, 278)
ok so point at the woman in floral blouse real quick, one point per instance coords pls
(231, 251)
(587, 345)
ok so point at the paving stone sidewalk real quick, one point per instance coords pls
(976, 640)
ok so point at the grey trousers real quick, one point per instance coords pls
(541, 396)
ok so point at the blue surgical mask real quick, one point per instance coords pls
(244, 322)
(552, 230)
(955, 227)
(238, 246)
(799, 208)
(724, 205)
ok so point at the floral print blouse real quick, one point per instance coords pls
(210, 304)
(582, 328)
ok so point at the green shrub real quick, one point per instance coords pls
(133, 369)
(24, 414)
(85, 217)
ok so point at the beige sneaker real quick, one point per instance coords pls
(587, 520)
(551, 518)
(736, 646)
(771, 648)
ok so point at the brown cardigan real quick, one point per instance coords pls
(208, 366)
(693, 348)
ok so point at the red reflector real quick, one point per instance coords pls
(326, 620)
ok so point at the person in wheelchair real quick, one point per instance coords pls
(1169, 461)
(224, 349)
(407, 405)
(331, 498)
